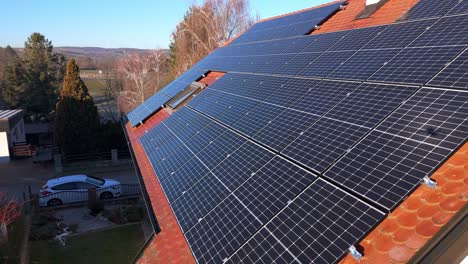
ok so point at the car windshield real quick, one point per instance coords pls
(95, 180)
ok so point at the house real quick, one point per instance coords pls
(11, 131)
(335, 134)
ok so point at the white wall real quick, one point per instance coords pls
(370, 2)
(17, 133)
(4, 152)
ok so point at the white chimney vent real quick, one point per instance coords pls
(371, 2)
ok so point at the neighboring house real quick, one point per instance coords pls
(38, 134)
(11, 131)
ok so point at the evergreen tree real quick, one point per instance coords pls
(76, 119)
(33, 81)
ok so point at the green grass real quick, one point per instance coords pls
(117, 245)
(96, 87)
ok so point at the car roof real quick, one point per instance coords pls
(66, 179)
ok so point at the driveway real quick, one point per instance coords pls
(18, 174)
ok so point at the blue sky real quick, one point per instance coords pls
(110, 24)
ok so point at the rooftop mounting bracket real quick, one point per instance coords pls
(429, 182)
(355, 253)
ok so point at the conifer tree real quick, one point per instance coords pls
(77, 119)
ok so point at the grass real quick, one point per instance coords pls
(116, 245)
(96, 87)
(10, 252)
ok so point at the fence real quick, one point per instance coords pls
(114, 159)
(76, 195)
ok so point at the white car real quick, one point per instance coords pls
(74, 188)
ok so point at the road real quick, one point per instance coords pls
(16, 176)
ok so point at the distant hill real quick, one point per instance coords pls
(95, 52)
(94, 57)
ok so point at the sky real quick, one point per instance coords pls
(145, 24)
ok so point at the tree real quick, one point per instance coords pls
(204, 28)
(32, 82)
(77, 119)
(10, 210)
(7, 57)
(143, 74)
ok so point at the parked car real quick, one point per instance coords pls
(74, 188)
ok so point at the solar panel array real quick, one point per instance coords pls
(292, 25)
(155, 102)
(304, 145)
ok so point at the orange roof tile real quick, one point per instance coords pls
(169, 246)
(420, 216)
(211, 77)
(346, 18)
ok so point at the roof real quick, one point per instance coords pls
(420, 217)
(9, 118)
(411, 222)
(9, 114)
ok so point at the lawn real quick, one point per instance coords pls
(117, 245)
(96, 87)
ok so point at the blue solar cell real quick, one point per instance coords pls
(446, 31)
(326, 63)
(455, 74)
(416, 65)
(429, 8)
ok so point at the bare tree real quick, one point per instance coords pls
(10, 210)
(205, 28)
(143, 75)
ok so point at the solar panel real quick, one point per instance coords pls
(217, 150)
(385, 168)
(392, 160)
(446, 31)
(317, 227)
(323, 42)
(429, 8)
(323, 95)
(461, 8)
(182, 177)
(432, 116)
(356, 39)
(222, 231)
(274, 63)
(363, 64)
(283, 129)
(287, 26)
(370, 103)
(257, 118)
(325, 141)
(270, 189)
(297, 63)
(237, 110)
(416, 65)
(455, 74)
(399, 35)
(139, 114)
(298, 44)
(326, 63)
(291, 89)
(241, 164)
(196, 202)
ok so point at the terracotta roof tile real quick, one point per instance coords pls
(211, 77)
(420, 216)
(346, 19)
(169, 246)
